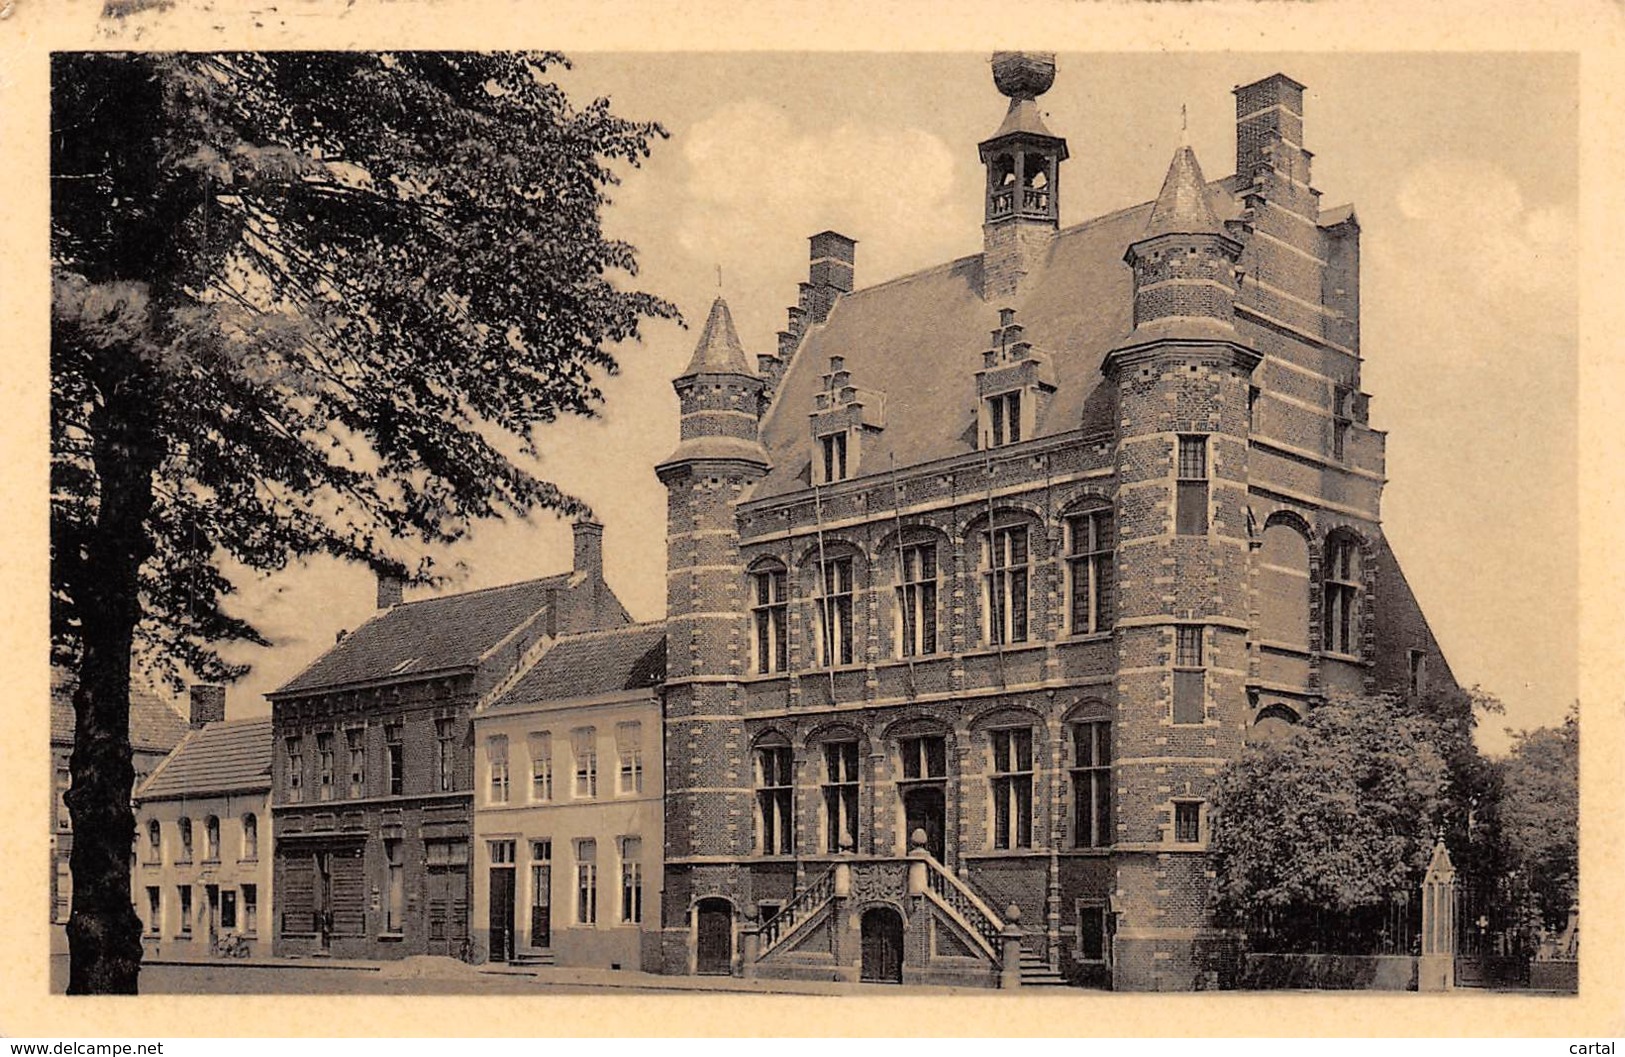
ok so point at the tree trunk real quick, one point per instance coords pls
(104, 932)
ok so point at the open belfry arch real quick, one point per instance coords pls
(977, 579)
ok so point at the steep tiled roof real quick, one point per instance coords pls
(223, 757)
(594, 664)
(1183, 207)
(919, 340)
(718, 348)
(154, 725)
(434, 634)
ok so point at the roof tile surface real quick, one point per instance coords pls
(232, 756)
(594, 664)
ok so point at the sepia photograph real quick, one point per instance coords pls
(717, 522)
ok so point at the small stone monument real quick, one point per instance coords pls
(1437, 971)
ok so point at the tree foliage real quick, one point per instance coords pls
(1336, 816)
(304, 303)
(1540, 818)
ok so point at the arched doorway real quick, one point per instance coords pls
(882, 946)
(713, 937)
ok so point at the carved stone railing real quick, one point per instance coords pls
(803, 906)
(956, 896)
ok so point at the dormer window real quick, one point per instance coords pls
(843, 416)
(1012, 384)
(833, 450)
(1003, 419)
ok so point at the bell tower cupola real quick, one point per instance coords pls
(1022, 204)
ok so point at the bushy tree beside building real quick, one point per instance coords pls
(304, 303)
(1539, 820)
(1316, 834)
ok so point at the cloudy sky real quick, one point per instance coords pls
(1463, 169)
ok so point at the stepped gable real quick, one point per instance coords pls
(434, 634)
(154, 725)
(227, 757)
(593, 664)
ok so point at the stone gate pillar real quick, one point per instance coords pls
(1437, 971)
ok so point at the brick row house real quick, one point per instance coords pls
(373, 763)
(977, 580)
(202, 877)
(155, 730)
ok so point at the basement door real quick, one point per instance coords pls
(714, 937)
(882, 946)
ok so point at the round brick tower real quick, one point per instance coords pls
(708, 780)
(1181, 380)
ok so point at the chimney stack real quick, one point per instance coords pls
(589, 547)
(829, 273)
(208, 704)
(389, 590)
(1269, 128)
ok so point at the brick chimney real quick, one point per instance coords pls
(589, 547)
(1269, 128)
(208, 704)
(829, 273)
(389, 590)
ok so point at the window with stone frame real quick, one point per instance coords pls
(1342, 582)
(395, 756)
(395, 888)
(496, 757)
(1190, 674)
(917, 599)
(629, 757)
(1089, 570)
(770, 616)
(586, 882)
(185, 925)
(155, 910)
(631, 849)
(584, 758)
(186, 841)
(1011, 785)
(775, 798)
(211, 839)
(1005, 576)
(1190, 515)
(155, 842)
(445, 751)
(841, 796)
(833, 457)
(1004, 419)
(251, 837)
(835, 612)
(324, 765)
(1187, 822)
(251, 909)
(540, 744)
(356, 744)
(293, 749)
(1092, 784)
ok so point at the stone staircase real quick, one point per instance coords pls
(542, 958)
(1035, 971)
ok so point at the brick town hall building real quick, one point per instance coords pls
(999, 562)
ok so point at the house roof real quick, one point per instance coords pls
(593, 664)
(719, 350)
(435, 634)
(1182, 207)
(154, 725)
(225, 757)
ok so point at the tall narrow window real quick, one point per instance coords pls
(1004, 419)
(835, 612)
(445, 748)
(769, 613)
(629, 757)
(584, 748)
(541, 893)
(186, 841)
(356, 743)
(496, 756)
(155, 842)
(155, 910)
(1418, 672)
(1283, 587)
(631, 880)
(1187, 821)
(1190, 675)
(541, 767)
(211, 839)
(917, 599)
(775, 800)
(1089, 569)
(294, 749)
(185, 892)
(251, 837)
(324, 766)
(396, 757)
(1005, 574)
(1342, 415)
(64, 781)
(1092, 784)
(1343, 576)
(228, 908)
(586, 882)
(834, 452)
(395, 905)
(1012, 788)
(1190, 517)
(251, 909)
(841, 796)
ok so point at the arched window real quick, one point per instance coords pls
(155, 841)
(1273, 722)
(211, 839)
(251, 837)
(770, 599)
(1283, 586)
(1343, 585)
(186, 840)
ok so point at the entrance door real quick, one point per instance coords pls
(714, 937)
(924, 808)
(324, 898)
(447, 880)
(501, 913)
(882, 946)
(212, 892)
(541, 893)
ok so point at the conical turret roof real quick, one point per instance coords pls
(1183, 207)
(719, 350)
